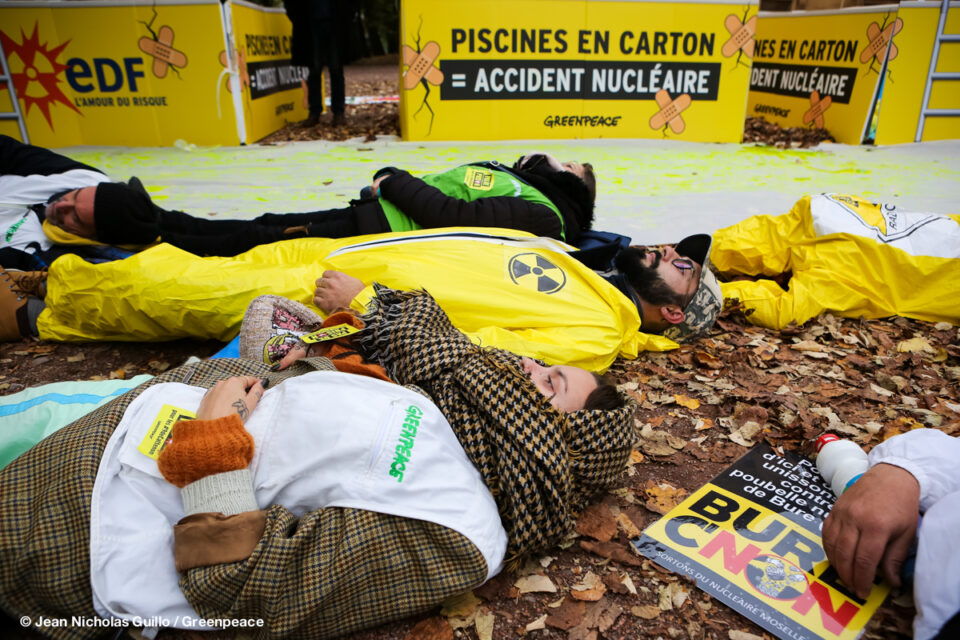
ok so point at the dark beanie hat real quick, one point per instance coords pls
(124, 214)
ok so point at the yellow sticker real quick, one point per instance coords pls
(159, 434)
(478, 179)
(329, 333)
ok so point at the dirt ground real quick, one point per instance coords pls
(700, 408)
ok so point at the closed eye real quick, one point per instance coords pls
(683, 264)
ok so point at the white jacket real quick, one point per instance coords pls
(323, 439)
(934, 460)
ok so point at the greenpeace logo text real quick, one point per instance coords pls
(404, 448)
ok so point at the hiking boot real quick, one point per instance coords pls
(15, 288)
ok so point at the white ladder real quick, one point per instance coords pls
(933, 74)
(16, 114)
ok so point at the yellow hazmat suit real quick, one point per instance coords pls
(503, 288)
(848, 256)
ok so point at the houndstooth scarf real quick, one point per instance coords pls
(540, 464)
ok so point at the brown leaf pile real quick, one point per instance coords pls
(763, 132)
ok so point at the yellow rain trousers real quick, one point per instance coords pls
(504, 288)
(848, 256)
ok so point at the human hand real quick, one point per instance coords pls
(295, 353)
(375, 185)
(238, 395)
(336, 290)
(872, 525)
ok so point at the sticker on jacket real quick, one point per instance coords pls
(158, 436)
(478, 179)
(329, 333)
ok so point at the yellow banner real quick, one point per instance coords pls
(750, 538)
(907, 69)
(821, 69)
(511, 69)
(161, 75)
(273, 89)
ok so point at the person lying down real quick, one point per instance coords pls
(317, 501)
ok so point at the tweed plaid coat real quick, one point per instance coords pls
(327, 573)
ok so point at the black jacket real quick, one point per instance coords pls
(430, 208)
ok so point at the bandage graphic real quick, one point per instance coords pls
(741, 36)
(420, 65)
(670, 111)
(241, 68)
(164, 55)
(817, 106)
(879, 39)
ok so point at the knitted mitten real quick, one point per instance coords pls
(208, 460)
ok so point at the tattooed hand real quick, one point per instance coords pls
(238, 395)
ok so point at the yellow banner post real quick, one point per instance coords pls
(821, 68)
(907, 69)
(575, 69)
(159, 77)
(274, 92)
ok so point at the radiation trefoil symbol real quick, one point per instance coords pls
(34, 69)
(533, 271)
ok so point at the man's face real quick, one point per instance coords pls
(575, 168)
(73, 212)
(681, 275)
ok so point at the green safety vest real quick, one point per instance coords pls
(471, 182)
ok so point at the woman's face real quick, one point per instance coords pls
(566, 387)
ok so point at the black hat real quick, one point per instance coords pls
(124, 214)
(707, 303)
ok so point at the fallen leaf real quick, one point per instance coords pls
(744, 436)
(612, 550)
(808, 346)
(545, 561)
(628, 583)
(75, 358)
(627, 526)
(703, 424)
(880, 390)
(736, 634)
(430, 629)
(663, 496)
(646, 611)
(707, 360)
(657, 448)
(539, 623)
(597, 522)
(484, 625)
(672, 596)
(118, 374)
(915, 345)
(636, 457)
(158, 365)
(684, 401)
(460, 605)
(568, 615)
(535, 584)
(591, 588)
(744, 413)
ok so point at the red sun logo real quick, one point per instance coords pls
(34, 70)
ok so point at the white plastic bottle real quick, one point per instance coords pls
(840, 462)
